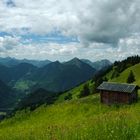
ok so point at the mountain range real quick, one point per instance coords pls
(21, 77)
(8, 61)
(58, 76)
(53, 76)
(98, 65)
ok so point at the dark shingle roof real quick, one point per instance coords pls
(128, 88)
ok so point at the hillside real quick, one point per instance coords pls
(121, 78)
(58, 76)
(75, 92)
(124, 75)
(35, 99)
(84, 118)
(11, 74)
(78, 119)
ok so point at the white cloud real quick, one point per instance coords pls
(50, 51)
(105, 28)
(8, 43)
(90, 20)
(62, 52)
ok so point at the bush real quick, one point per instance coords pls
(68, 97)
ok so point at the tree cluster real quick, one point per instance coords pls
(130, 61)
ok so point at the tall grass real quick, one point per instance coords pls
(84, 119)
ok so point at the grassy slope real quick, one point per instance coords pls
(77, 119)
(123, 76)
(75, 92)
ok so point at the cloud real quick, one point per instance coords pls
(53, 51)
(104, 28)
(92, 21)
(43, 51)
(8, 43)
(9, 3)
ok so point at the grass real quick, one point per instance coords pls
(124, 75)
(75, 92)
(121, 79)
(80, 119)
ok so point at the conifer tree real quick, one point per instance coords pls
(131, 77)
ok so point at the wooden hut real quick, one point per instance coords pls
(114, 93)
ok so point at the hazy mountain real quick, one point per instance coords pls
(55, 76)
(58, 76)
(37, 63)
(9, 62)
(12, 74)
(98, 65)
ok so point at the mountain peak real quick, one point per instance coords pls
(53, 64)
(75, 61)
(56, 62)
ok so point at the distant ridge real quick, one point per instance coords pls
(53, 76)
(58, 76)
(8, 61)
(98, 65)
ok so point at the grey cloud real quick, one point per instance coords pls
(98, 24)
(102, 21)
(8, 43)
(108, 21)
(9, 3)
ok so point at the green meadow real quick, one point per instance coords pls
(123, 76)
(81, 119)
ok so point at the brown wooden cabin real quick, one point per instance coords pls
(114, 93)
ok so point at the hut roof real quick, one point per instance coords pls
(127, 88)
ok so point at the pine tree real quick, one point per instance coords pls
(131, 77)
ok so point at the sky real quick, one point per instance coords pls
(63, 29)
